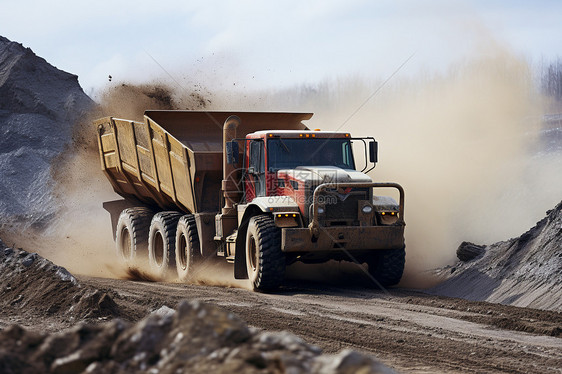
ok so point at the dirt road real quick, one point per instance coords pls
(407, 330)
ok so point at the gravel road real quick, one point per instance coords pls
(407, 330)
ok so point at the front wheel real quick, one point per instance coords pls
(387, 266)
(264, 260)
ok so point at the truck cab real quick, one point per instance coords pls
(271, 156)
(307, 186)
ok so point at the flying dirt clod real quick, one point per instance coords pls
(294, 195)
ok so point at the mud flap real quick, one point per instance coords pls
(240, 270)
(115, 207)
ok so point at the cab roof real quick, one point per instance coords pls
(299, 134)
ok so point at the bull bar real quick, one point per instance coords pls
(316, 238)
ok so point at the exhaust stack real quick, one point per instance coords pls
(229, 187)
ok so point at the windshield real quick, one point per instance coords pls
(291, 153)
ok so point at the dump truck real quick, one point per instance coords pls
(258, 189)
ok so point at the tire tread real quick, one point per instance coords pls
(271, 260)
(188, 221)
(167, 221)
(138, 220)
(388, 266)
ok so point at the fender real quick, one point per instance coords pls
(259, 205)
(272, 204)
(385, 203)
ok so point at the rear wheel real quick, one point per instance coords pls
(188, 253)
(264, 260)
(162, 244)
(131, 236)
(387, 266)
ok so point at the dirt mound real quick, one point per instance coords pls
(195, 338)
(39, 105)
(34, 286)
(523, 271)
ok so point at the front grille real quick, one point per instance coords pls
(341, 209)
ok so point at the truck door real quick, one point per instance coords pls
(256, 167)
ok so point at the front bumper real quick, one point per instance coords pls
(350, 238)
(317, 238)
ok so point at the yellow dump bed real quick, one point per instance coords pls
(174, 159)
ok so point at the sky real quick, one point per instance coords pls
(266, 44)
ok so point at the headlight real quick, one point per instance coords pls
(288, 219)
(388, 213)
(367, 209)
(388, 218)
(321, 210)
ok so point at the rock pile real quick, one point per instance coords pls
(39, 106)
(523, 271)
(195, 338)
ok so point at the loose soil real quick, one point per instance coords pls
(407, 330)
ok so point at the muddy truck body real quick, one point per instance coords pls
(258, 189)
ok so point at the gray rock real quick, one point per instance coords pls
(284, 340)
(164, 311)
(7, 252)
(468, 251)
(197, 338)
(65, 275)
(29, 259)
(350, 362)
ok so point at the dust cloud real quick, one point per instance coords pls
(464, 144)
(80, 237)
(467, 144)
(217, 272)
(129, 101)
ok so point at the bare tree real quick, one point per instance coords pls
(551, 80)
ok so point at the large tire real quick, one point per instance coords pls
(131, 234)
(162, 243)
(387, 266)
(188, 252)
(264, 260)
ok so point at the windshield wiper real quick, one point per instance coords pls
(284, 146)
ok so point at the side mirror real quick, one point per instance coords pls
(232, 152)
(373, 151)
